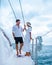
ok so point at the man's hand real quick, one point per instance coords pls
(24, 27)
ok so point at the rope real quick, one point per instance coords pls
(22, 11)
(47, 33)
(6, 36)
(12, 9)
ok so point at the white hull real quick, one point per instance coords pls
(8, 55)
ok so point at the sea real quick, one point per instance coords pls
(44, 56)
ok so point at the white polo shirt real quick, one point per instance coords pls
(17, 31)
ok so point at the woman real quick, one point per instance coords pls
(27, 39)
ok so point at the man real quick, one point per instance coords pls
(17, 34)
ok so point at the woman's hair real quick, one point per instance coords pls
(29, 24)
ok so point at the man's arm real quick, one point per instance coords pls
(13, 34)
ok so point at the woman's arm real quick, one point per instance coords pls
(30, 36)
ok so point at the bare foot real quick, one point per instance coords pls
(17, 53)
(27, 54)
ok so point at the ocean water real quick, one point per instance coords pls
(44, 56)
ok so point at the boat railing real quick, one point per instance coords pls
(37, 47)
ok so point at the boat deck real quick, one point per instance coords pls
(24, 60)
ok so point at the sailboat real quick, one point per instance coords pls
(8, 54)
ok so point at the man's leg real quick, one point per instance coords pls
(17, 48)
(21, 45)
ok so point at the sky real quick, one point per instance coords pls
(38, 12)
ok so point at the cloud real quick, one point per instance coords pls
(38, 12)
(47, 40)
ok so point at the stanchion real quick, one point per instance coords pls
(36, 53)
(32, 47)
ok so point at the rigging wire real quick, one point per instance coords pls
(46, 33)
(22, 11)
(12, 9)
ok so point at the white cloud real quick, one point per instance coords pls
(27, 8)
(47, 40)
(39, 22)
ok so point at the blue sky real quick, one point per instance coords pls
(38, 12)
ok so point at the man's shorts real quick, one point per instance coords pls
(18, 40)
